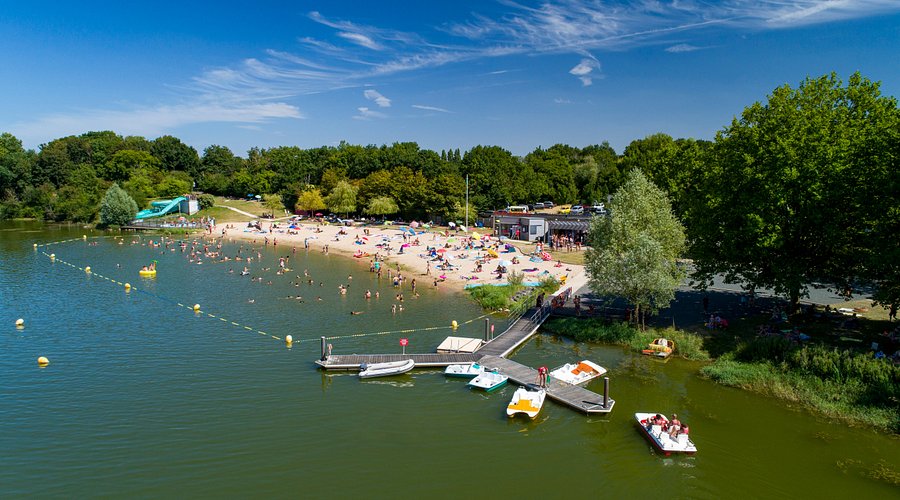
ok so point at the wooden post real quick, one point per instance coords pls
(487, 328)
(323, 348)
(606, 392)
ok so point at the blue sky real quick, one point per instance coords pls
(443, 74)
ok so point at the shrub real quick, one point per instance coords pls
(117, 207)
(206, 201)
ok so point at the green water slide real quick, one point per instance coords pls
(160, 208)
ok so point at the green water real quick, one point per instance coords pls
(145, 398)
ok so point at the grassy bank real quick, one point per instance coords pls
(514, 296)
(687, 345)
(853, 387)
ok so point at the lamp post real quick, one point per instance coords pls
(467, 201)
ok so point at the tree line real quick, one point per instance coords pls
(799, 189)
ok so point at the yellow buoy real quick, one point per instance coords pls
(84, 236)
(289, 340)
(42, 361)
(52, 256)
(20, 322)
(35, 246)
(196, 307)
(127, 287)
(454, 324)
(87, 269)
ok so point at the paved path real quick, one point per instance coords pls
(248, 214)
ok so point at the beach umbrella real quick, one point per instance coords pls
(405, 245)
(451, 239)
(441, 250)
(503, 238)
(318, 214)
(413, 224)
(505, 263)
(476, 236)
(257, 197)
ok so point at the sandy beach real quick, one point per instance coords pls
(449, 257)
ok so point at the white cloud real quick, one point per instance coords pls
(431, 108)
(151, 121)
(368, 114)
(584, 69)
(682, 47)
(380, 100)
(560, 100)
(360, 39)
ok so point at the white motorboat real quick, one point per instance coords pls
(385, 369)
(659, 436)
(578, 373)
(528, 400)
(464, 371)
(489, 381)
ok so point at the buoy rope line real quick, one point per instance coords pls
(54, 258)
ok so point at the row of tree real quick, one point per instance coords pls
(797, 190)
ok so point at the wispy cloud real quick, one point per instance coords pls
(380, 100)
(584, 69)
(368, 114)
(560, 100)
(269, 86)
(431, 108)
(152, 121)
(682, 47)
(360, 39)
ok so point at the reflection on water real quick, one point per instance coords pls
(145, 398)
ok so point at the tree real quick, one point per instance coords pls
(120, 167)
(383, 205)
(794, 188)
(342, 198)
(117, 208)
(175, 155)
(273, 203)
(310, 201)
(633, 251)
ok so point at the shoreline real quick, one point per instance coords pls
(416, 259)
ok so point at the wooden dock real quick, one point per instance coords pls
(574, 396)
(517, 334)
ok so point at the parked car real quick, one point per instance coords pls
(539, 205)
(565, 210)
(577, 210)
(548, 204)
(598, 209)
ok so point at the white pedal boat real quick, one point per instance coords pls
(385, 369)
(526, 400)
(660, 439)
(489, 381)
(464, 371)
(578, 373)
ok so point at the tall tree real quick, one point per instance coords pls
(342, 198)
(786, 199)
(175, 155)
(310, 200)
(633, 252)
(383, 205)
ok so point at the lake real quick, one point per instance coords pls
(143, 397)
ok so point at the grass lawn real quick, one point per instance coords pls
(253, 207)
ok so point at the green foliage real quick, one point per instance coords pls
(688, 345)
(491, 298)
(117, 208)
(798, 189)
(310, 201)
(206, 201)
(175, 155)
(383, 205)
(273, 203)
(173, 185)
(123, 163)
(633, 252)
(342, 198)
